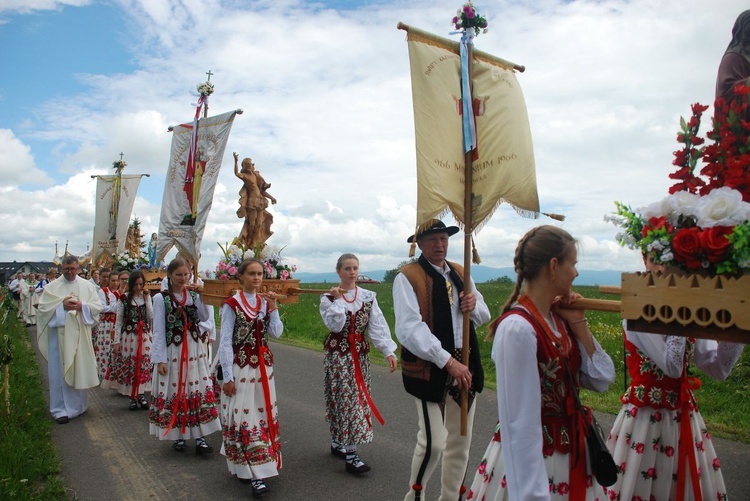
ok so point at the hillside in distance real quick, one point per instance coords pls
(480, 274)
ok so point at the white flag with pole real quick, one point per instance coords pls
(188, 193)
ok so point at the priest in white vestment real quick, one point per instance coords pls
(69, 306)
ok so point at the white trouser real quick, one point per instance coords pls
(441, 435)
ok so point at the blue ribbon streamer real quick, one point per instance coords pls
(469, 127)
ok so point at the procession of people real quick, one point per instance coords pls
(162, 352)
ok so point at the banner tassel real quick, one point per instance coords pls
(556, 217)
(474, 254)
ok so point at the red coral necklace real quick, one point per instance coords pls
(252, 312)
(354, 298)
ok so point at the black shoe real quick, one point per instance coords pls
(133, 405)
(356, 466)
(259, 487)
(202, 448)
(179, 445)
(142, 401)
(62, 420)
(338, 450)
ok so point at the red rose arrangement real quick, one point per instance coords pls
(703, 225)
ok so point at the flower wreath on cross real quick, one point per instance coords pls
(467, 18)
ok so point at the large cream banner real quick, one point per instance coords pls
(503, 166)
(115, 196)
(187, 199)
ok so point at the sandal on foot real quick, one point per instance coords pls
(356, 466)
(259, 487)
(338, 450)
(133, 405)
(142, 401)
(202, 447)
(179, 445)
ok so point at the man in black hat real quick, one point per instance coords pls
(429, 300)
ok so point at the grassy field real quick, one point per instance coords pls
(725, 405)
(29, 467)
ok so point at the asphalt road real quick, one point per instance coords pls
(108, 454)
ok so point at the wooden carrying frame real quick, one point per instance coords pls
(691, 305)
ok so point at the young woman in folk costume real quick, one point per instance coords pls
(539, 451)
(183, 401)
(660, 454)
(348, 312)
(250, 416)
(103, 332)
(132, 344)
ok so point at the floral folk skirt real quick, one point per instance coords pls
(135, 353)
(347, 412)
(188, 408)
(251, 444)
(103, 334)
(490, 485)
(645, 445)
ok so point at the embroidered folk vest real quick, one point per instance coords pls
(338, 342)
(248, 336)
(174, 320)
(421, 378)
(558, 403)
(132, 314)
(649, 386)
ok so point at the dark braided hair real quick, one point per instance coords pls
(534, 251)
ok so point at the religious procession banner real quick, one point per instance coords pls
(115, 196)
(503, 161)
(194, 166)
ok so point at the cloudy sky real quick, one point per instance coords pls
(326, 92)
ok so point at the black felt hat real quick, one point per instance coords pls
(432, 226)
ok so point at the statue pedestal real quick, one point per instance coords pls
(216, 291)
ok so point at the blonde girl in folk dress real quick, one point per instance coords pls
(538, 451)
(250, 416)
(132, 348)
(348, 312)
(660, 455)
(183, 401)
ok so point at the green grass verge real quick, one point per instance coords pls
(29, 466)
(725, 405)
